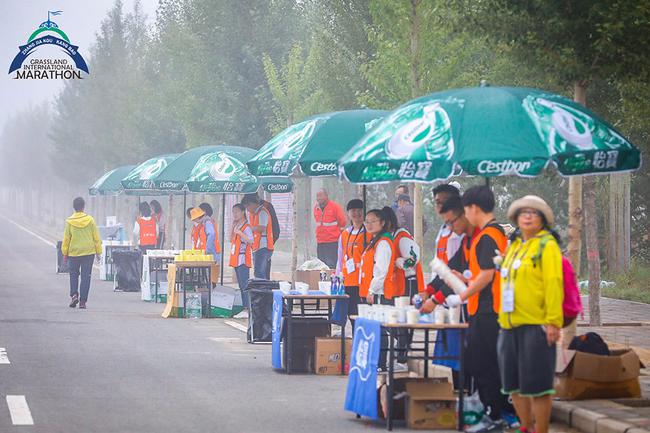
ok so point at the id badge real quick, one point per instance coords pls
(232, 249)
(349, 266)
(508, 300)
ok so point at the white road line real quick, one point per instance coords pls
(236, 325)
(19, 410)
(4, 359)
(25, 229)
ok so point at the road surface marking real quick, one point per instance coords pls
(225, 339)
(236, 325)
(25, 229)
(4, 359)
(20, 413)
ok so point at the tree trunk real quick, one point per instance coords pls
(574, 247)
(619, 222)
(415, 92)
(593, 254)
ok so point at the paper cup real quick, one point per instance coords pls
(440, 315)
(363, 310)
(412, 317)
(454, 315)
(392, 316)
(401, 315)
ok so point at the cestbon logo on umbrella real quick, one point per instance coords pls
(421, 126)
(48, 33)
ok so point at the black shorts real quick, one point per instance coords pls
(526, 361)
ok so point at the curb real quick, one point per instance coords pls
(588, 421)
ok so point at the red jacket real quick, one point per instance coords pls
(329, 222)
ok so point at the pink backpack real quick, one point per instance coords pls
(572, 305)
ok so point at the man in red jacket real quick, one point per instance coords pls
(330, 220)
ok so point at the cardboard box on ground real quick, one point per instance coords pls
(581, 375)
(327, 355)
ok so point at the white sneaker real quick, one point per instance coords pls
(398, 367)
(486, 425)
(241, 315)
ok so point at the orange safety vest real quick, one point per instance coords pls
(195, 236)
(257, 236)
(148, 235)
(235, 248)
(399, 277)
(203, 237)
(327, 222)
(441, 247)
(353, 246)
(367, 266)
(502, 242)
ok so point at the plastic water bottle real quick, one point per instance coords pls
(194, 308)
(417, 301)
(340, 289)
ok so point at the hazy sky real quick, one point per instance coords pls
(80, 20)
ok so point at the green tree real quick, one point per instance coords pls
(576, 42)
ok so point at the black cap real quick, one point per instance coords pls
(404, 197)
(355, 204)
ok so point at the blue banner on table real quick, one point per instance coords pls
(361, 395)
(447, 345)
(276, 350)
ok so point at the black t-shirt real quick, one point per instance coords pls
(485, 253)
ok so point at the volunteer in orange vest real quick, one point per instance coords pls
(204, 228)
(352, 242)
(159, 216)
(241, 249)
(377, 262)
(260, 220)
(195, 229)
(207, 236)
(145, 229)
(483, 297)
(330, 221)
(447, 242)
(408, 278)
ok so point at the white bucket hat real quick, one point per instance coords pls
(533, 202)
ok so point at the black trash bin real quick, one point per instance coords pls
(260, 315)
(61, 266)
(128, 268)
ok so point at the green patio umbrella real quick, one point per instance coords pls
(222, 172)
(315, 144)
(141, 177)
(487, 131)
(109, 183)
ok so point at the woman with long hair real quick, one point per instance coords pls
(241, 249)
(377, 263)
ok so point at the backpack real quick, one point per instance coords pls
(275, 224)
(589, 343)
(572, 304)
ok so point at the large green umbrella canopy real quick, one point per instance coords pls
(211, 165)
(487, 131)
(110, 183)
(315, 144)
(141, 177)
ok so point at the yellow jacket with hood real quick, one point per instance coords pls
(81, 236)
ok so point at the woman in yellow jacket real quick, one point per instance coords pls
(81, 243)
(530, 315)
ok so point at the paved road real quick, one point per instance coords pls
(119, 367)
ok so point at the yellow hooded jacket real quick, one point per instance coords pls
(538, 283)
(81, 236)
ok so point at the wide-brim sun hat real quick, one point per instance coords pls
(533, 202)
(196, 213)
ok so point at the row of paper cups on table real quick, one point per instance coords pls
(408, 314)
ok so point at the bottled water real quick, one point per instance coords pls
(193, 305)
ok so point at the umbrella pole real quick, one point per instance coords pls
(184, 217)
(223, 232)
(365, 197)
(487, 182)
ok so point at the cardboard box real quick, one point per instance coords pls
(430, 406)
(327, 354)
(311, 277)
(399, 392)
(582, 375)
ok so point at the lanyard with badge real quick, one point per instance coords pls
(508, 295)
(349, 263)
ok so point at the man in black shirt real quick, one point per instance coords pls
(483, 297)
